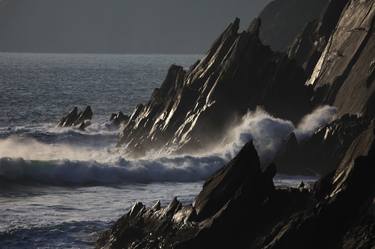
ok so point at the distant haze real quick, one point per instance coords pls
(118, 26)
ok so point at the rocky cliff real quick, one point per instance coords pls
(239, 206)
(343, 74)
(193, 109)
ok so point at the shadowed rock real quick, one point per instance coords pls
(236, 196)
(343, 216)
(77, 119)
(324, 150)
(193, 109)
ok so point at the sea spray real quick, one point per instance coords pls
(269, 133)
(58, 162)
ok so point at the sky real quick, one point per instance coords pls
(119, 26)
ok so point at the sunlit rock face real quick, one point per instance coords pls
(239, 206)
(344, 74)
(193, 108)
(309, 45)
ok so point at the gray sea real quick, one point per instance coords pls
(60, 187)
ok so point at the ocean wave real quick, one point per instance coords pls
(72, 173)
(96, 161)
(98, 134)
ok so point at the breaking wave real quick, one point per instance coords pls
(269, 133)
(51, 156)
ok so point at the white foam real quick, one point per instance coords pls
(269, 133)
(28, 159)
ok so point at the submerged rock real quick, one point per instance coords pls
(77, 119)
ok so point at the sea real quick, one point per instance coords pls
(61, 187)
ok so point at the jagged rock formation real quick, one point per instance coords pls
(345, 68)
(343, 216)
(193, 109)
(239, 207)
(283, 20)
(239, 195)
(78, 119)
(309, 45)
(321, 153)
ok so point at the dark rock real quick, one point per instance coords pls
(342, 74)
(77, 119)
(193, 109)
(283, 20)
(310, 44)
(343, 217)
(69, 119)
(321, 153)
(238, 196)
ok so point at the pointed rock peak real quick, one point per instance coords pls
(236, 23)
(156, 206)
(248, 153)
(270, 171)
(136, 209)
(88, 109)
(233, 27)
(254, 27)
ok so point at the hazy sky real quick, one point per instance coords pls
(118, 26)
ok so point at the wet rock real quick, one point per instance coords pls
(77, 119)
(309, 45)
(193, 109)
(238, 196)
(341, 76)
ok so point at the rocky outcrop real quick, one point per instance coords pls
(239, 207)
(324, 150)
(311, 42)
(78, 119)
(193, 109)
(344, 73)
(238, 196)
(344, 214)
(283, 20)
